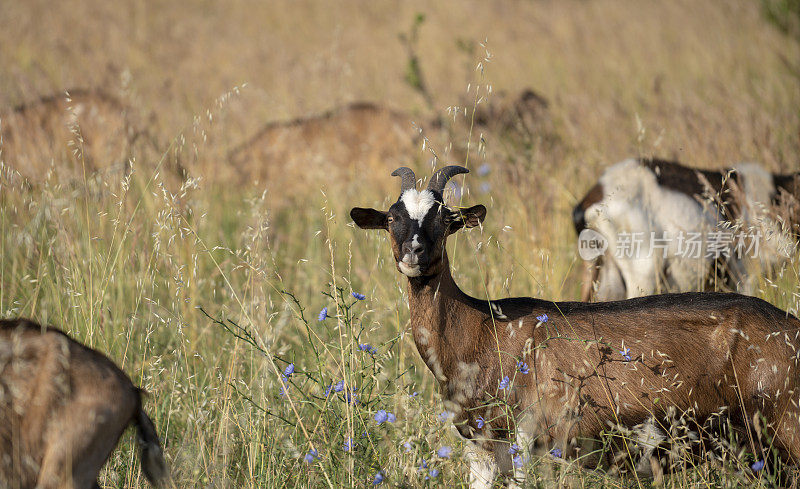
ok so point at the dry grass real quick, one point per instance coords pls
(124, 263)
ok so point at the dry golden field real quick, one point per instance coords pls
(210, 152)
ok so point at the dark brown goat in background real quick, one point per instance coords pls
(63, 408)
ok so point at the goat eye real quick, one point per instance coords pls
(389, 219)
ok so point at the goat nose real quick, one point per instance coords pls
(414, 246)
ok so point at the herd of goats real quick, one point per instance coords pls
(634, 361)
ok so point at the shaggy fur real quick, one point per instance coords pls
(63, 408)
(658, 198)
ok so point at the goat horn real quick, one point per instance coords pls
(440, 178)
(409, 180)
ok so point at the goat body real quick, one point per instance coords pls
(592, 366)
(63, 407)
(661, 200)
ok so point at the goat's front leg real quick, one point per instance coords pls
(482, 466)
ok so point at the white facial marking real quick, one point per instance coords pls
(417, 203)
(409, 270)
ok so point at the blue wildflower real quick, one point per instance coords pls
(626, 354)
(339, 387)
(310, 456)
(514, 448)
(444, 452)
(381, 416)
(289, 371)
(484, 187)
(348, 444)
(423, 465)
(480, 422)
(281, 392)
(433, 473)
(351, 398)
(378, 479)
(407, 446)
(367, 348)
(390, 417)
(323, 314)
(358, 296)
(523, 368)
(505, 382)
(456, 189)
(757, 466)
(328, 390)
(444, 416)
(484, 169)
(413, 394)
(543, 318)
(519, 460)
(556, 452)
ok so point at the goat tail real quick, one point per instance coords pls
(154, 466)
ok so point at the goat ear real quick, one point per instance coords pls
(468, 218)
(368, 218)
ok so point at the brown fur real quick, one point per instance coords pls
(64, 407)
(360, 136)
(347, 139)
(89, 130)
(697, 353)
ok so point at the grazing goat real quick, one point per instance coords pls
(650, 211)
(63, 407)
(562, 373)
(83, 130)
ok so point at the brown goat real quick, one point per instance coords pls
(562, 373)
(63, 407)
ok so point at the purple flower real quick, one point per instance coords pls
(485, 187)
(480, 422)
(323, 314)
(381, 416)
(289, 370)
(339, 387)
(757, 466)
(281, 392)
(505, 382)
(556, 452)
(423, 465)
(328, 390)
(407, 446)
(348, 444)
(390, 417)
(413, 394)
(543, 318)
(378, 479)
(310, 456)
(360, 297)
(523, 368)
(484, 169)
(444, 452)
(626, 354)
(514, 448)
(351, 398)
(444, 416)
(367, 348)
(518, 460)
(433, 473)
(456, 189)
